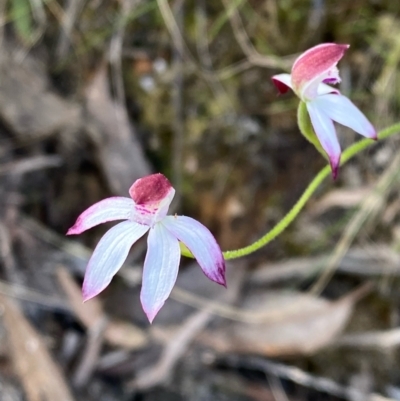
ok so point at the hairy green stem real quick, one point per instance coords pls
(292, 214)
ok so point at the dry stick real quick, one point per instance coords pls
(172, 352)
(6, 254)
(251, 317)
(56, 9)
(69, 16)
(384, 84)
(91, 353)
(30, 164)
(375, 260)
(2, 22)
(116, 333)
(39, 14)
(277, 389)
(375, 339)
(177, 102)
(203, 49)
(43, 233)
(202, 44)
(305, 379)
(26, 294)
(39, 374)
(115, 52)
(176, 34)
(245, 43)
(370, 206)
(177, 346)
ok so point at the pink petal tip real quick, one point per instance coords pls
(89, 293)
(219, 275)
(86, 297)
(151, 313)
(73, 231)
(151, 316)
(335, 169)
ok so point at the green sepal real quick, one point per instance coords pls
(306, 128)
(185, 250)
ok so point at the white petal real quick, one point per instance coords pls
(201, 243)
(109, 255)
(325, 131)
(160, 269)
(110, 209)
(342, 110)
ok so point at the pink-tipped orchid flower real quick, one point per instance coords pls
(311, 72)
(146, 210)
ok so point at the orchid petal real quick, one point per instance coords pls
(325, 131)
(324, 89)
(160, 269)
(109, 255)
(315, 66)
(115, 208)
(201, 243)
(283, 82)
(152, 196)
(342, 110)
(152, 213)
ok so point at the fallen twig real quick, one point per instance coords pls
(305, 379)
(39, 374)
(178, 345)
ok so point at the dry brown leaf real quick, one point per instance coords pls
(27, 105)
(117, 333)
(345, 198)
(89, 313)
(39, 374)
(372, 260)
(119, 152)
(289, 323)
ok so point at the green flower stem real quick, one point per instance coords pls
(292, 214)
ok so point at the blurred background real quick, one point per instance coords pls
(97, 93)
